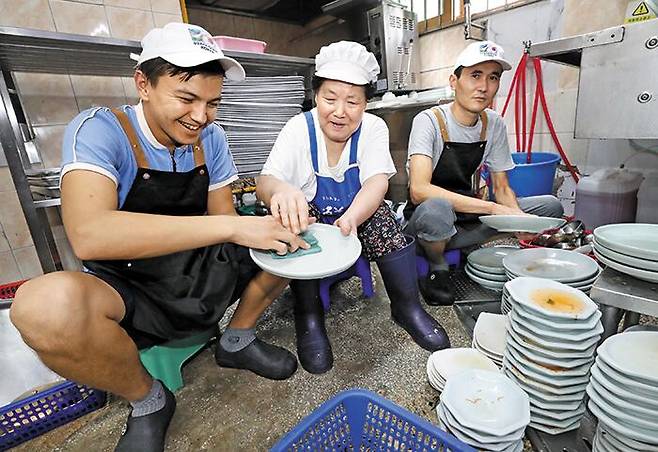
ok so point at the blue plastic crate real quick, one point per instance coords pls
(28, 418)
(360, 420)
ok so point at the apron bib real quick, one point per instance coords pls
(181, 293)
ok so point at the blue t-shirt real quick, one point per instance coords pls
(95, 141)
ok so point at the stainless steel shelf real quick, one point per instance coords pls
(48, 203)
(625, 292)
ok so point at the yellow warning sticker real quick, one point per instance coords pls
(641, 10)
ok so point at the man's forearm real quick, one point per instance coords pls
(460, 203)
(507, 197)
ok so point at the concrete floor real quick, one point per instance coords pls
(229, 410)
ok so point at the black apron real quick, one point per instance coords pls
(457, 166)
(183, 293)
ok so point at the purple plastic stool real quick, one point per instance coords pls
(452, 257)
(361, 268)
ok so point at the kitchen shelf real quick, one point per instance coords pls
(27, 50)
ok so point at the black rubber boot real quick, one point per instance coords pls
(398, 270)
(147, 433)
(313, 346)
(261, 358)
(437, 289)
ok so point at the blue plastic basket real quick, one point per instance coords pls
(361, 420)
(533, 178)
(28, 418)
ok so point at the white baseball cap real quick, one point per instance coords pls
(186, 45)
(481, 51)
(348, 62)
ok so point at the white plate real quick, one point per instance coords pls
(556, 323)
(559, 406)
(556, 334)
(338, 254)
(551, 298)
(492, 285)
(634, 409)
(521, 223)
(633, 384)
(551, 343)
(549, 352)
(634, 354)
(634, 239)
(555, 430)
(490, 259)
(626, 443)
(487, 401)
(640, 421)
(637, 262)
(556, 381)
(644, 275)
(623, 392)
(621, 426)
(552, 371)
(537, 394)
(476, 438)
(542, 359)
(490, 332)
(453, 361)
(497, 359)
(550, 263)
(529, 380)
(485, 275)
(560, 418)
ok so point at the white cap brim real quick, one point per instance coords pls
(233, 70)
(505, 65)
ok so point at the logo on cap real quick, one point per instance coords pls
(202, 38)
(488, 50)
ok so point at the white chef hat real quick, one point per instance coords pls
(347, 61)
(186, 45)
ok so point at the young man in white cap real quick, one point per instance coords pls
(334, 162)
(447, 145)
(147, 206)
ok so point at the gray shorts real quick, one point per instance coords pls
(435, 220)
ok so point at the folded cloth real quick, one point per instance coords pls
(309, 238)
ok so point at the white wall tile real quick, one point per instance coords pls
(166, 6)
(134, 4)
(28, 262)
(80, 18)
(48, 140)
(129, 24)
(9, 271)
(13, 221)
(27, 14)
(162, 19)
(93, 91)
(47, 98)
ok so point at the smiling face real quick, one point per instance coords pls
(476, 86)
(177, 110)
(340, 109)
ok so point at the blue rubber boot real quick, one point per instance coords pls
(398, 270)
(313, 346)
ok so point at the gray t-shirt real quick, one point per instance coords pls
(426, 138)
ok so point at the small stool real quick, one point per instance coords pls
(361, 268)
(452, 257)
(165, 361)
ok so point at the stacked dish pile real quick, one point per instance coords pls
(44, 183)
(486, 410)
(443, 364)
(485, 266)
(253, 112)
(629, 248)
(552, 333)
(623, 392)
(573, 269)
(489, 336)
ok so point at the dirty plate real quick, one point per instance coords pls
(550, 298)
(490, 259)
(490, 332)
(549, 263)
(338, 254)
(521, 223)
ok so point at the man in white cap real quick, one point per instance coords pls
(447, 145)
(334, 162)
(147, 206)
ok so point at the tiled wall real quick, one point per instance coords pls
(542, 21)
(51, 101)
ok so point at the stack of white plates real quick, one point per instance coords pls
(253, 112)
(489, 336)
(485, 266)
(486, 410)
(443, 364)
(568, 267)
(623, 392)
(629, 248)
(552, 333)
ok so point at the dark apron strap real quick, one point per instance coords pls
(140, 157)
(444, 129)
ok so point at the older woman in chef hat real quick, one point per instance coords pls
(333, 163)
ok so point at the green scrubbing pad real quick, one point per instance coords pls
(309, 238)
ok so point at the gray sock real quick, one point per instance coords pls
(235, 339)
(154, 401)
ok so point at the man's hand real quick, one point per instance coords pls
(499, 209)
(346, 224)
(290, 209)
(266, 233)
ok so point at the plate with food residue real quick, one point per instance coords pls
(551, 298)
(558, 265)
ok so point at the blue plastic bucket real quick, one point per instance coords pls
(534, 178)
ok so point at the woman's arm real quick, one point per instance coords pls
(365, 203)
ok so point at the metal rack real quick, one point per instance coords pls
(27, 50)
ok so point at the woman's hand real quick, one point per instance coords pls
(290, 209)
(347, 225)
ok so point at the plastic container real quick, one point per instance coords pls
(7, 291)
(607, 196)
(647, 200)
(361, 420)
(240, 44)
(534, 178)
(35, 415)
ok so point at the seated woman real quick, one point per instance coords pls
(333, 164)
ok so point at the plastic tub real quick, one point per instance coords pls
(534, 178)
(361, 420)
(240, 44)
(607, 196)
